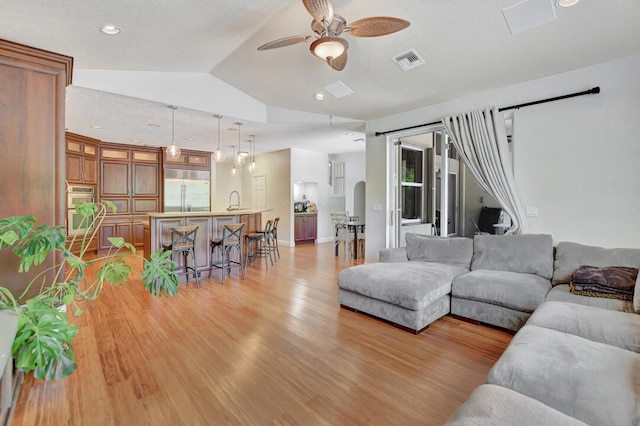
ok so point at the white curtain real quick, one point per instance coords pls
(481, 140)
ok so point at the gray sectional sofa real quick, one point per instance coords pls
(574, 359)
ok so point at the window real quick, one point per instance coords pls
(412, 184)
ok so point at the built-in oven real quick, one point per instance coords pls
(76, 223)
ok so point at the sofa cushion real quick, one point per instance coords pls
(591, 381)
(396, 254)
(529, 254)
(562, 293)
(522, 292)
(570, 256)
(615, 328)
(490, 405)
(412, 285)
(430, 248)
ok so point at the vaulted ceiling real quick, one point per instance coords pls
(467, 47)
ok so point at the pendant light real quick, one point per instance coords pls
(233, 168)
(218, 155)
(238, 159)
(252, 164)
(173, 152)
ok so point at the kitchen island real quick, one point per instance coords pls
(158, 231)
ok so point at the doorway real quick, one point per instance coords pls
(425, 186)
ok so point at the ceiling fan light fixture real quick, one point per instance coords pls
(329, 47)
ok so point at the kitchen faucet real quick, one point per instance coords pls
(237, 206)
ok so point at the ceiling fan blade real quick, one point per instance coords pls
(287, 41)
(376, 26)
(338, 63)
(319, 9)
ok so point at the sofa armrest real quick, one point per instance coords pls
(393, 255)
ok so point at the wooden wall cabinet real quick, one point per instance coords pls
(305, 228)
(188, 160)
(81, 159)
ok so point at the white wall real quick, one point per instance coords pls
(275, 167)
(577, 160)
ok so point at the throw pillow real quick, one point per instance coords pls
(526, 254)
(615, 282)
(450, 251)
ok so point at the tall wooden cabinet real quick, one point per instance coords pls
(130, 177)
(32, 168)
(32, 142)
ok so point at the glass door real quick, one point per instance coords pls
(421, 199)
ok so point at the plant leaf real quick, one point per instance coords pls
(86, 209)
(117, 242)
(160, 275)
(115, 272)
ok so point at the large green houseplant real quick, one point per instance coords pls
(43, 341)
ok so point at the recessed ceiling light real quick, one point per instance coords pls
(96, 126)
(190, 139)
(154, 125)
(348, 134)
(566, 3)
(232, 129)
(318, 96)
(110, 29)
(135, 140)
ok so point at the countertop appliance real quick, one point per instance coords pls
(187, 190)
(298, 207)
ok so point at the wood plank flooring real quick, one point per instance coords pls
(272, 349)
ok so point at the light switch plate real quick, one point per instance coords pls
(532, 211)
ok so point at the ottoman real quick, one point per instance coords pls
(410, 295)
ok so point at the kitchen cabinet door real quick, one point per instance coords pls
(145, 180)
(74, 169)
(117, 228)
(305, 228)
(115, 179)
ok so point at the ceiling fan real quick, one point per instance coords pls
(327, 42)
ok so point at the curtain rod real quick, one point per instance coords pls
(591, 91)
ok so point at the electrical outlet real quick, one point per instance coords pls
(532, 211)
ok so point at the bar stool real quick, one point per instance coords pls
(260, 243)
(183, 240)
(231, 238)
(273, 238)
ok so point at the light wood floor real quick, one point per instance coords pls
(273, 349)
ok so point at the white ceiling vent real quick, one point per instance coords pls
(338, 89)
(408, 60)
